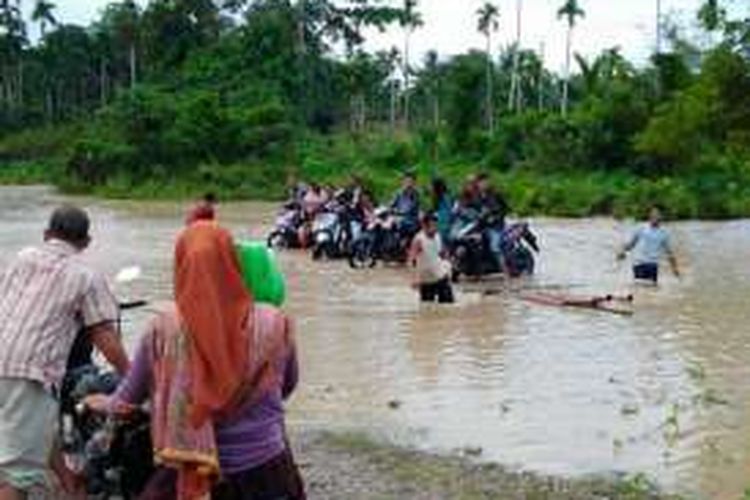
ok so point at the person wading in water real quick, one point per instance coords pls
(433, 271)
(650, 245)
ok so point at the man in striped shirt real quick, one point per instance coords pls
(47, 294)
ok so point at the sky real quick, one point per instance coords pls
(450, 26)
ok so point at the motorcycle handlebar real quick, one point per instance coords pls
(124, 306)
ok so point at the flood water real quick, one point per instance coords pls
(665, 392)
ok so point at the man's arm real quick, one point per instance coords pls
(105, 338)
(629, 245)
(99, 311)
(674, 265)
(672, 258)
(414, 250)
(442, 250)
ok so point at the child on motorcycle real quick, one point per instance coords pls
(433, 270)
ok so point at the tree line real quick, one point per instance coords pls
(183, 86)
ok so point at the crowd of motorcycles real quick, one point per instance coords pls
(339, 230)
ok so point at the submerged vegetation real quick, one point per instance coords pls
(177, 96)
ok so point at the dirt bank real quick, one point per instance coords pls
(351, 466)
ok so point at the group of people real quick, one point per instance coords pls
(477, 198)
(433, 224)
(215, 365)
(429, 224)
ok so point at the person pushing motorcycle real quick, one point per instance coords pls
(429, 258)
(47, 294)
(493, 208)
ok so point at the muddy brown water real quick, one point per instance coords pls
(665, 392)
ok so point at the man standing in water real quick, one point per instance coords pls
(47, 294)
(651, 244)
(433, 270)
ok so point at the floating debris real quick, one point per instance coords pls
(617, 445)
(472, 451)
(696, 371)
(710, 397)
(630, 409)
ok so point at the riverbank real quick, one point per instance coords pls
(716, 195)
(349, 466)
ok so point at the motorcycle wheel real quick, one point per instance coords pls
(317, 252)
(455, 275)
(333, 252)
(277, 240)
(459, 265)
(362, 255)
(523, 261)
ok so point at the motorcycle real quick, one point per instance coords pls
(114, 454)
(333, 231)
(384, 239)
(286, 230)
(472, 255)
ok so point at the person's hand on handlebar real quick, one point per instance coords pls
(97, 403)
(102, 403)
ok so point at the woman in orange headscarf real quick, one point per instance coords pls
(217, 368)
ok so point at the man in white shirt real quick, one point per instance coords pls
(433, 270)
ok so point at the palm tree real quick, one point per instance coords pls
(711, 15)
(570, 11)
(540, 78)
(44, 14)
(393, 60)
(123, 20)
(514, 97)
(12, 43)
(658, 27)
(487, 24)
(410, 20)
(432, 73)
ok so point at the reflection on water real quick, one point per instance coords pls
(665, 392)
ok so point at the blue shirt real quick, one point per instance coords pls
(406, 204)
(650, 244)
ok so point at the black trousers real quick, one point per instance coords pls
(647, 272)
(441, 292)
(277, 479)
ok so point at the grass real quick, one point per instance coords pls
(575, 194)
(712, 193)
(459, 478)
(26, 173)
